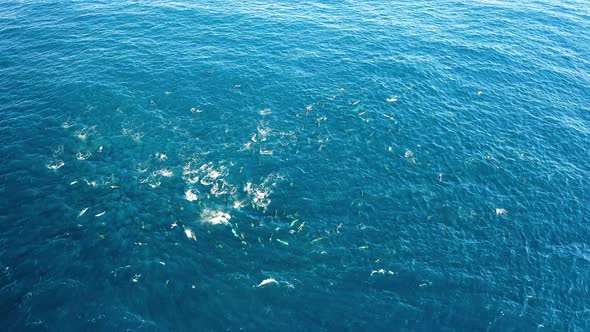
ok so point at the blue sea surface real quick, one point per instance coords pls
(284, 165)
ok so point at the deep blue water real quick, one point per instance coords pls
(372, 166)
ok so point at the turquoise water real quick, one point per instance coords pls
(294, 166)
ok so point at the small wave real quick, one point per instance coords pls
(83, 156)
(165, 173)
(161, 156)
(67, 124)
(55, 164)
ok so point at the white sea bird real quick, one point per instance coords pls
(82, 212)
(501, 211)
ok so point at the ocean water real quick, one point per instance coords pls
(294, 166)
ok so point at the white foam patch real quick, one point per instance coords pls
(219, 188)
(165, 173)
(58, 151)
(238, 205)
(92, 184)
(67, 124)
(190, 234)
(206, 173)
(262, 132)
(82, 136)
(266, 152)
(191, 194)
(213, 217)
(500, 211)
(246, 146)
(83, 155)
(259, 196)
(161, 156)
(83, 133)
(211, 174)
(190, 174)
(137, 137)
(208, 179)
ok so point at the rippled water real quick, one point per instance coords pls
(280, 165)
